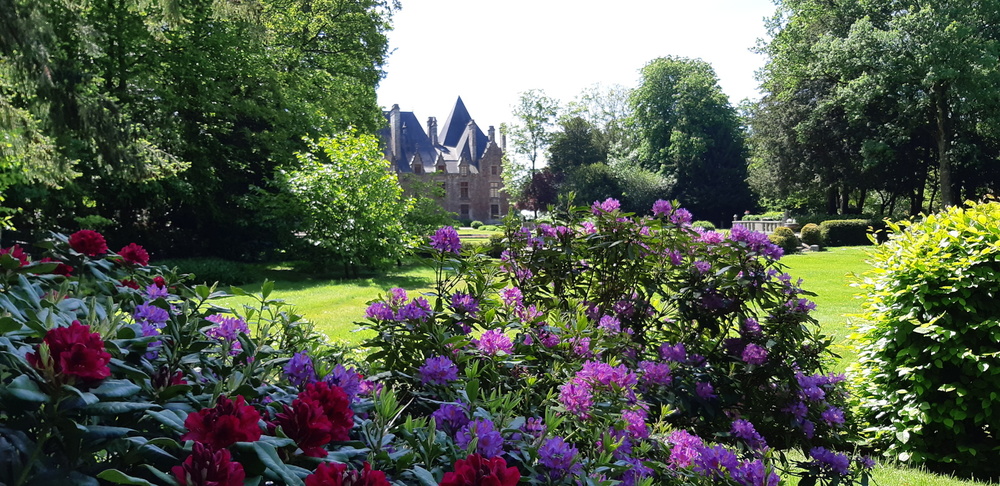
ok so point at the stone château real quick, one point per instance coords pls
(458, 156)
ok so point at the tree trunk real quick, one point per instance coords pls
(831, 200)
(939, 91)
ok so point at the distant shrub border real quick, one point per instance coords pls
(850, 232)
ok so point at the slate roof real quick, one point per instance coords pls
(454, 140)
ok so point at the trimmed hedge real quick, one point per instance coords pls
(811, 234)
(850, 232)
(705, 225)
(785, 238)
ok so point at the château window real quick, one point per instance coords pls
(494, 211)
(418, 169)
(441, 168)
(494, 170)
(494, 189)
(463, 169)
(464, 190)
(464, 211)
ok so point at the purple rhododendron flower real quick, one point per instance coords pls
(151, 314)
(833, 416)
(756, 242)
(681, 217)
(598, 373)
(495, 341)
(490, 441)
(830, 461)
(581, 347)
(673, 352)
(465, 304)
(716, 461)
(446, 240)
(549, 340)
(417, 310)
(635, 423)
(610, 325)
(512, 296)
(705, 390)
(397, 296)
(661, 208)
(438, 370)
(299, 370)
(755, 473)
(346, 378)
(685, 448)
(380, 311)
(608, 206)
(751, 328)
(451, 417)
(655, 373)
(702, 267)
(636, 472)
(559, 456)
(745, 430)
(754, 354)
(588, 228)
(533, 426)
(154, 292)
(799, 410)
(226, 330)
(803, 306)
(576, 397)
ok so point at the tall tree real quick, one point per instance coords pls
(575, 145)
(690, 133)
(531, 133)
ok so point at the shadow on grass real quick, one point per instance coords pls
(294, 279)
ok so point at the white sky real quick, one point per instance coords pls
(489, 51)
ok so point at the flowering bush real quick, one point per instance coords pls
(605, 347)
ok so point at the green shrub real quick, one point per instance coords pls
(811, 234)
(489, 227)
(848, 232)
(928, 355)
(476, 224)
(785, 238)
(705, 225)
(210, 270)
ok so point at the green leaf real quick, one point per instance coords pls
(118, 477)
(115, 408)
(8, 324)
(93, 432)
(25, 389)
(424, 476)
(267, 288)
(269, 456)
(170, 418)
(116, 389)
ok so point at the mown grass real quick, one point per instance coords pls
(334, 305)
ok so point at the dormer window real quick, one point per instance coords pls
(418, 169)
(441, 168)
(463, 169)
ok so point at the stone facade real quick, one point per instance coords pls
(459, 157)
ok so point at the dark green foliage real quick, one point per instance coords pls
(635, 188)
(785, 238)
(811, 234)
(929, 360)
(847, 232)
(576, 145)
(210, 270)
(476, 224)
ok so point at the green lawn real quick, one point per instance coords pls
(335, 305)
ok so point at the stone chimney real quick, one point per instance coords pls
(473, 153)
(395, 133)
(432, 130)
(491, 132)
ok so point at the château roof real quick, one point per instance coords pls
(454, 142)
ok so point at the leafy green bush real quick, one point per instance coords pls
(847, 232)
(209, 270)
(476, 224)
(929, 361)
(489, 227)
(705, 225)
(811, 234)
(785, 238)
(768, 216)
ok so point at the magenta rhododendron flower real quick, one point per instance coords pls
(88, 242)
(208, 467)
(661, 208)
(134, 254)
(336, 406)
(228, 422)
(74, 354)
(438, 370)
(446, 240)
(334, 474)
(17, 253)
(476, 470)
(495, 341)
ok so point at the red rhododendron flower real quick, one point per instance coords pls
(17, 253)
(88, 242)
(229, 422)
(74, 353)
(134, 254)
(336, 407)
(61, 269)
(333, 474)
(205, 467)
(132, 284)
(477, 470)
(159, 281)
(306, 423)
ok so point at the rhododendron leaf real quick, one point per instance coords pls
(266, 289)
(173, 391)
(8, 324)
(269, 456)
(277, 442)
(171, 418)
(116, 389)
(11, 308)
(24, 389)
(114, 408)
(162, 476)
(202, 291)
(132, 372)
(238, 291)
(424, 476)
(118, 477)
(94, 432)
(8, 262)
